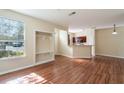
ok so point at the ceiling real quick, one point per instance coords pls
(82, 19)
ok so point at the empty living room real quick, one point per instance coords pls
(61, 46)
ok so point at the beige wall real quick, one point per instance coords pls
(30, 25)
(108, 44)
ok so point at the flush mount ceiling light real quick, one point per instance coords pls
(114, 31)
(72, 13)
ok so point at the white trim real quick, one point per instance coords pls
(13, 57)
(43, 31)
(35, 64)
(65, 55)
(42, 62)
(83, 57)
(109, 26)
(110, 55)
(72, 56)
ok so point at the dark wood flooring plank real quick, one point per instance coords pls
(64, 70)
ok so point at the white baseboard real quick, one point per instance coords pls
(66, 55)
(83, 57)
(73, 56)
(17, 69)
(110, 55)
(42, 62)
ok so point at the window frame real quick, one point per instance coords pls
(24, 34)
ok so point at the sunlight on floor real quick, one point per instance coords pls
(31, 78)
(80, 60)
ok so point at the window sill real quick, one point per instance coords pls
(12, 58)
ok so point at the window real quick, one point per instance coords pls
(11, 38)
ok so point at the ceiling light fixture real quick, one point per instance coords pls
(72, 13)
(114, 31)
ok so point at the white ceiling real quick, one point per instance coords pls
(82, 19)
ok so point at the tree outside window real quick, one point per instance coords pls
(11, 37)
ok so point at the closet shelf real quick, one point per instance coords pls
(43, 52)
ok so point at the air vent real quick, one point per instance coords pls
(72, 13)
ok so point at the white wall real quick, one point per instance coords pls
(64, 48)
(56, 42)
(90, 33)
(82, 51)
(73, 51)
(30, 25)
(87, 50)
(108, 44)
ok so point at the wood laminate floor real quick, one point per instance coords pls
(64, 70)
